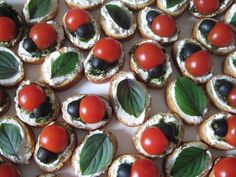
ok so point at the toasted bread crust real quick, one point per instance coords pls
(228, 69)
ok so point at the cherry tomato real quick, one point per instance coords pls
(232, 97)
(92, 109)
(199, 63)
(164, 26)
(107, 49)
(144, 168)
(206, 7)
(7, 30)
(8, 170)
(54, 138)
(231, 133)
(31, 96)
(148, 56)
(43, 35)
(225, 167)
(221, 35)
(75, 18)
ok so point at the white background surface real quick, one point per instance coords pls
(124, 134)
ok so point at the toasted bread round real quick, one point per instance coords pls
(137, 5)
(229, 16)
(85, 4)
(229, 67)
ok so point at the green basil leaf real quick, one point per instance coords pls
(10, 139)
(233, 20)
(191, 162)
(38, 8)
(64, 64)
(119, 15)
(190, 98)
(172, 3)
(96, 154)
(131, 96)
(8, 65)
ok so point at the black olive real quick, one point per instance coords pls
(151, 15)
(224, 87)
(73, 108)
(206, 26)
(46, 156)
(156, 71)
(220, 127)
(124, 170)
(29, 45)
(43, 109)
(99, 64)
(188, 49)
(170, 131)
(85, 31)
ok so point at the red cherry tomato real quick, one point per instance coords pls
(232, 97)
(7, 29)
(164, 26)
(107, 49)
(225, 167)
(54, 138)
(221, 35)
(144, 168)
(231, 133)
(206, 7)
(43, 35)
(199, 63)
(31, 96)
(149, 55)
(92, 109)
(75, 18)
(8, 170)
(153, 141)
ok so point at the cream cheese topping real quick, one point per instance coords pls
(86, 3)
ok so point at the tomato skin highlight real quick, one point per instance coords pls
(231, 133)
(206, 7)
(8, 29)
(232, 97)
(8, 170)
(54, 138)
(148, 56)
(225, 167)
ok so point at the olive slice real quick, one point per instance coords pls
(223, 87)
(151, 15)
(124, 170)
(206, 26)
(100, 64)
(43, 109)
(85, 31)
(156, 71)
(220, 127)
(170, 131)
(46, 156)
(29, 45)
(73, 108)
(188, 49)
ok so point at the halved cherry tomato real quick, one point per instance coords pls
(199, 63)
(31, 96)
(164, 26)
(75, 18)
(221, 35)
(232, 97)
(54, 138)
(92, 109)
(7, 29)
(107, 49)
(144, 168)
(148, 56)
(8, 170)
(225, 167)
(231, 133)
(206, 7)
(43, 35)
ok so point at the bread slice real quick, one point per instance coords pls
(48, 175)
(62, 157)
(2, 160)
(85, 4)
(229, 66)
(137, 5)
(229, 16)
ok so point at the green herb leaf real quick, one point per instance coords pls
(96, 154)
(172, 3)
(38, 8)
(190, 98)
(64, 64)
(8, 65)
(131, 96)
(119, 15)
(233, 20)
(10, 139)
(191, 162)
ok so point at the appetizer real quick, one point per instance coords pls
(150, 63)
(48, 175)
(230, 16)
(154, 24)
(95, 154)
(84, 4)
(216, 36)
(133, 165)
(36, 104)
(160, 135)
(63, 69)
(81, 29)
(41, 40)
(16, 140)
(129, 98)
(221, 89)
(104, 60)
(190, 159)
(218, 131)
(117, 21)
(137, 5)
(5, 101)
(8, 169)
(55, 146)
(12, 27)
(36, 11)
(188, 100)
(192, 60)
(230, 64)
(88, 112)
